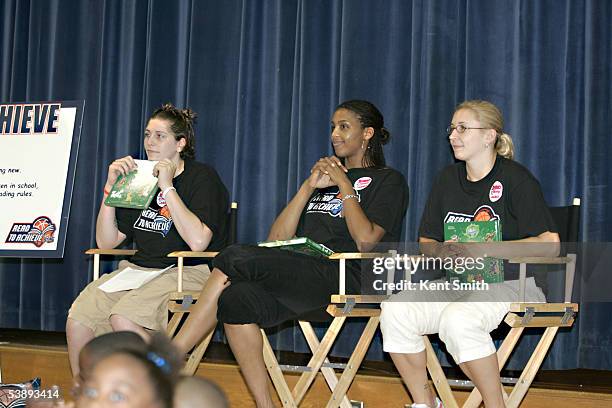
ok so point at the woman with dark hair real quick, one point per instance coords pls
(349, 203)
(188, 212)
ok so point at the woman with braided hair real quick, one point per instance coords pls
(188, 212)
(349, 202)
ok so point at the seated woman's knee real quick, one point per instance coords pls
(400, 315)
(237, 305)
(119, 322)
(458, 320)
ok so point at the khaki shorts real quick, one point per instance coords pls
(146, 306)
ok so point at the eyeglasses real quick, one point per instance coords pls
(460, 129)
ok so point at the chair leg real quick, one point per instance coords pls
(438, 377)
(503, 353)
(328, 372)
(532, 367)
(317, 358)
(196, 355)
(354, 362)
(174, 323)
(276, 374)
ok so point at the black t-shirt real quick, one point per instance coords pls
(509, 193)
(383, 196)
(153, 230)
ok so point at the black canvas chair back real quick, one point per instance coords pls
(567, 220)
(232, 224)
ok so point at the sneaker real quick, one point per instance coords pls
(438, 405)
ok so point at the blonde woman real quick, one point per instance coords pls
(486, 184)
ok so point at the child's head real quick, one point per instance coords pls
(104, 345)
(195, 392)
(133, 378)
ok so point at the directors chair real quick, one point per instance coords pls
(179, 301)
(550, 316)
(341, 307)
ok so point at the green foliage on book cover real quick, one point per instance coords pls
(135, 189)
(476, 231)
(302, 245)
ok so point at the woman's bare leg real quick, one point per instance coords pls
(203, 316)
(247, 346)
(122, 323)
(484, 373)
(77, 335)
(413, 369)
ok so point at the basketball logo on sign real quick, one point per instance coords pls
(38, 232)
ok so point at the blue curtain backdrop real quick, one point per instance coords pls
(264, 77)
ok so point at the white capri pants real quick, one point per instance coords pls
(463, 319)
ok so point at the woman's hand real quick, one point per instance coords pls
(164, 171)
(328, 171)
(117, 168)
(454, 249)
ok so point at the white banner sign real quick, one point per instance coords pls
(38, 150)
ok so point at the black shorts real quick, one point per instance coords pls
(270, 286)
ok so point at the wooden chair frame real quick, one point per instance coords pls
(550, 316)
(320, 348)
(342, 306)
(522, 315)
(180, 301)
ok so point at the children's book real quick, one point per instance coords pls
(134, 189)
(491, 270)
(302, 244)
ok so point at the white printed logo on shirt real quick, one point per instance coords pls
(497, 189)
(155, 220)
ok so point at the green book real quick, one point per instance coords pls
(492, 270)
(302, 244)
(135, 189)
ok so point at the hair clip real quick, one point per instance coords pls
(159, 362)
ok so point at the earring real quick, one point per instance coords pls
(362, 144)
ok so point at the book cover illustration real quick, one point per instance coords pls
(302, 244)
(134, 189)
(476, 231)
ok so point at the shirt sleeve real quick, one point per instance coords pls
(432, 221)
(528, 207)
(209, 201)
(390, 203)
(125, 221)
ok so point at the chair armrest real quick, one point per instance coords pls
(570, 266)
(116, 252)
(343, 256)
(96, 252)
(542, 307)
(542, 260)
(180, 255)
(359, 255)
(359, 298)
(192, 254)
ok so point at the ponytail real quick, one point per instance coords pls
(504, 146)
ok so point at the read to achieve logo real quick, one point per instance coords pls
(497, 189)
(38, 232)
